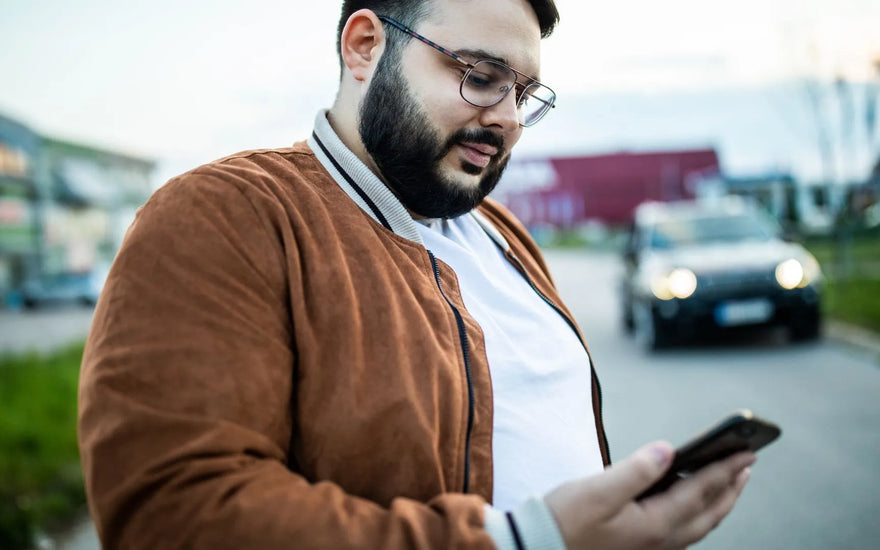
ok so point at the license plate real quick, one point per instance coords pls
(745, 312)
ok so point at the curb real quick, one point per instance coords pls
(853, 335)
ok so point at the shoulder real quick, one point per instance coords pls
(251, 188)
(230, 212)
(261, 176)
(298, 158)
(258, 168)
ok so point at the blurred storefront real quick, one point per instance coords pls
(570, 191)
(19, 228)
(94, 195)
(64, 208)
(555, 193)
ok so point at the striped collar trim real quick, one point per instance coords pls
(368, 191)
(359, 182)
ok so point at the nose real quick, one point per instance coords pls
(503, 115)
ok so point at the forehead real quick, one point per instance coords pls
(502, 29)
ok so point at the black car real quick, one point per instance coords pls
(695, 267)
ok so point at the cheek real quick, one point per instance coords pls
(450, 113)
(442, 103)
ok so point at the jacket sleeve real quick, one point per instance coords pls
(185, 396)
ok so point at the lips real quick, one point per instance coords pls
(478, 154)
(482, 148)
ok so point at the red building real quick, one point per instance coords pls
(566, 192)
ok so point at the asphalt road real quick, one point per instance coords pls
(818, 487)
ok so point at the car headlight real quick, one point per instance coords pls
(678, 283)
(789, 274)
(793, 273)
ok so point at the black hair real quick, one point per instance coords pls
(410, 12)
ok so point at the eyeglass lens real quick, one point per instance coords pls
(488, 82)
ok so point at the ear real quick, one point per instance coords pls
(362, 43)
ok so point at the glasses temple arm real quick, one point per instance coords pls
(414, 34)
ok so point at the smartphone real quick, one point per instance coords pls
(740, 431)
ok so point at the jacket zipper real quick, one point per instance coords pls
(570, 323)
(462, 335)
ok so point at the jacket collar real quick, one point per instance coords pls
(359, 182)
(368, 191)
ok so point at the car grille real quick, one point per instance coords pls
(738, 282)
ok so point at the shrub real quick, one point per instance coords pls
(41, 485)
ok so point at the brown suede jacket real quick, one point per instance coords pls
(270, 367)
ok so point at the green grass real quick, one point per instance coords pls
(852, 271)
(862, 252)
(604, 240)
(41, 485)
(855, 301)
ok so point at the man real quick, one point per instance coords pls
(343, 345)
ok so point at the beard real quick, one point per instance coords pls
(408, 151)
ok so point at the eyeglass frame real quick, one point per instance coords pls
(471, 66)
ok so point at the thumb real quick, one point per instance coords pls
(625, 480)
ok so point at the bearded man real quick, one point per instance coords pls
(345, 344)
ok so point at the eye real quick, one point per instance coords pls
(476, 79)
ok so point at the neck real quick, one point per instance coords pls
(344, 122)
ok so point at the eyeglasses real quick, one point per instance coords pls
(487, 82)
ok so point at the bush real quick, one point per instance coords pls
(41, 484)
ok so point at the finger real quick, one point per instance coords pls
(712, 517)
(697, 493)
(622, 482)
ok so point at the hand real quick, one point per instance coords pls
(601, 513)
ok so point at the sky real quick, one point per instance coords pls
(187, 82)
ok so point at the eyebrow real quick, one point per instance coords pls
(483, 54)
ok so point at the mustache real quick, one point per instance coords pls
(475, 135)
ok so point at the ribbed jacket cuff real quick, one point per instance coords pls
(534, 524)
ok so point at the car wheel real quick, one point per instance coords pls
(650, 333)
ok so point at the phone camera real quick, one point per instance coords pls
(747, 430)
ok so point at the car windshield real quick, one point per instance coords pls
(709, 230)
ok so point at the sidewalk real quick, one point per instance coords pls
(43, 330)
(81, 537)
(859, 338)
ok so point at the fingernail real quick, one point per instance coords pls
(661, 454)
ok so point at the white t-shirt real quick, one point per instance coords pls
(544, 429)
